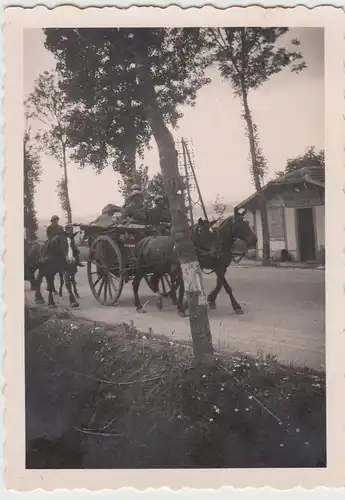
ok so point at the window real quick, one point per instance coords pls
(276, 223)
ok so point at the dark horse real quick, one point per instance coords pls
(49, 258)
(156, 255)
(233, 227)
(72, 266)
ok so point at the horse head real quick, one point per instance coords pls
(237, 227)
(205, 239)
(68, 249)
(62, 245)
(242, 229)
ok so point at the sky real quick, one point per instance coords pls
(288, 110)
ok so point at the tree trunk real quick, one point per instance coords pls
(68, 202)
(266, 257)
(192, 275)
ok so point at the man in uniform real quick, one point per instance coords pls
(54, 228)
(128, 200)
(134, 207)
(160, 214)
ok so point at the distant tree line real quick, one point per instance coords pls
(32, 172)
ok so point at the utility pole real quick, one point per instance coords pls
(187, 169)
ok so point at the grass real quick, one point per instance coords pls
(112, 397)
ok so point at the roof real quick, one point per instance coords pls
(312, 175)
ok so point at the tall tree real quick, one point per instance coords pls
(310, 158)
(109, 122)
(48, 103)
(159, 69)
(32, 171)
(248, 57)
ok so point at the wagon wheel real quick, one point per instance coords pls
(105, 270)
(237, 259)
(164, 285)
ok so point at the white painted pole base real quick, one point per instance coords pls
(193, 282)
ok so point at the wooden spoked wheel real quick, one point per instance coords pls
(105, 270)
(164, 285)
(238, 257)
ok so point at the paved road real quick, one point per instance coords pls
(284, 313)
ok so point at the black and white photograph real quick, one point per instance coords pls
(174, 275)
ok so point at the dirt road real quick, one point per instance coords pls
(284, 313)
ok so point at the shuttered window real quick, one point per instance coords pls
(276, 223)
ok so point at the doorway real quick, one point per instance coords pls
(306, 234)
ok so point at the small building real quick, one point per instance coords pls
(296, 215)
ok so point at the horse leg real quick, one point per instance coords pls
(154, 282)
(29, 275)
(61, 284)
(74, 285)
(154, 285)
(68, 282)
(54, 289)
(235, 305)
(211, 299)
(38, 296)
(135, 285)
(172, 294)
(32, 280)
(50, 286)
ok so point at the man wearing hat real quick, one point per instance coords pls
(54, 228)
(134, 206)
(160, 212)
(128, 200)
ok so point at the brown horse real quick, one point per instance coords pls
(232, 228)
(156, 255)
(49, 258)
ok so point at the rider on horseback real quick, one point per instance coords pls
(54, 229)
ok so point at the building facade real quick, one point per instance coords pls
(296, 215)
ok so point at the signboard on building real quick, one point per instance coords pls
(302, 199)
(275, 202)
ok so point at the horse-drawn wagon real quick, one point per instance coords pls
(112, 260)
